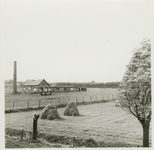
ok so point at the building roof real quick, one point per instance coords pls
(33, 82)
(61, 86)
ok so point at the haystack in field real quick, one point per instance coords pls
(71, 109)
(49, 112)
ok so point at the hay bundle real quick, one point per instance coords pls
(49, 112)
(71, 109)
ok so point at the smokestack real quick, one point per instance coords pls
(15, 78)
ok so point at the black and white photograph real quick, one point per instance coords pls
(76, 74)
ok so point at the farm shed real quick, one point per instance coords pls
(81, 89)
(36, 86)
(63, 88)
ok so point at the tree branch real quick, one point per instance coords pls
(146, 97)
(130, 105)
(132, 112)
(149, 116)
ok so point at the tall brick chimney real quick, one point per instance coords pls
(15, 78)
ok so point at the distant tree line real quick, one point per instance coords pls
(9, 82)
(85, 84)
(91, 85)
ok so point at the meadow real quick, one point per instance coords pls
(102, 122)
(106, 124)
(36, 100)
(16, 142)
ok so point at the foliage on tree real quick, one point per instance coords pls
(8, 81)
(11, 82)
(134, 92)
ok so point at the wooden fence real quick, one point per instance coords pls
(58, 101)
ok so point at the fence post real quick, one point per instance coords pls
(73, 141)
(39, 103)
(59, 101)
(13, 105)
(22, 134)
(35, 126)
(28, 104)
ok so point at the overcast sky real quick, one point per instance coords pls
(72, 41)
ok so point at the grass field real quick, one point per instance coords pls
(36, 100)
(102, 122)
(16, 142)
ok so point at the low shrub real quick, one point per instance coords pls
(90, 143)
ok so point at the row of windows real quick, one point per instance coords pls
(35, 89)
(46, 89)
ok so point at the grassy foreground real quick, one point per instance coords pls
(16, 142)
(13, 140)
(107, 125)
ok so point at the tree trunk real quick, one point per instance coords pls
(145, 126)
